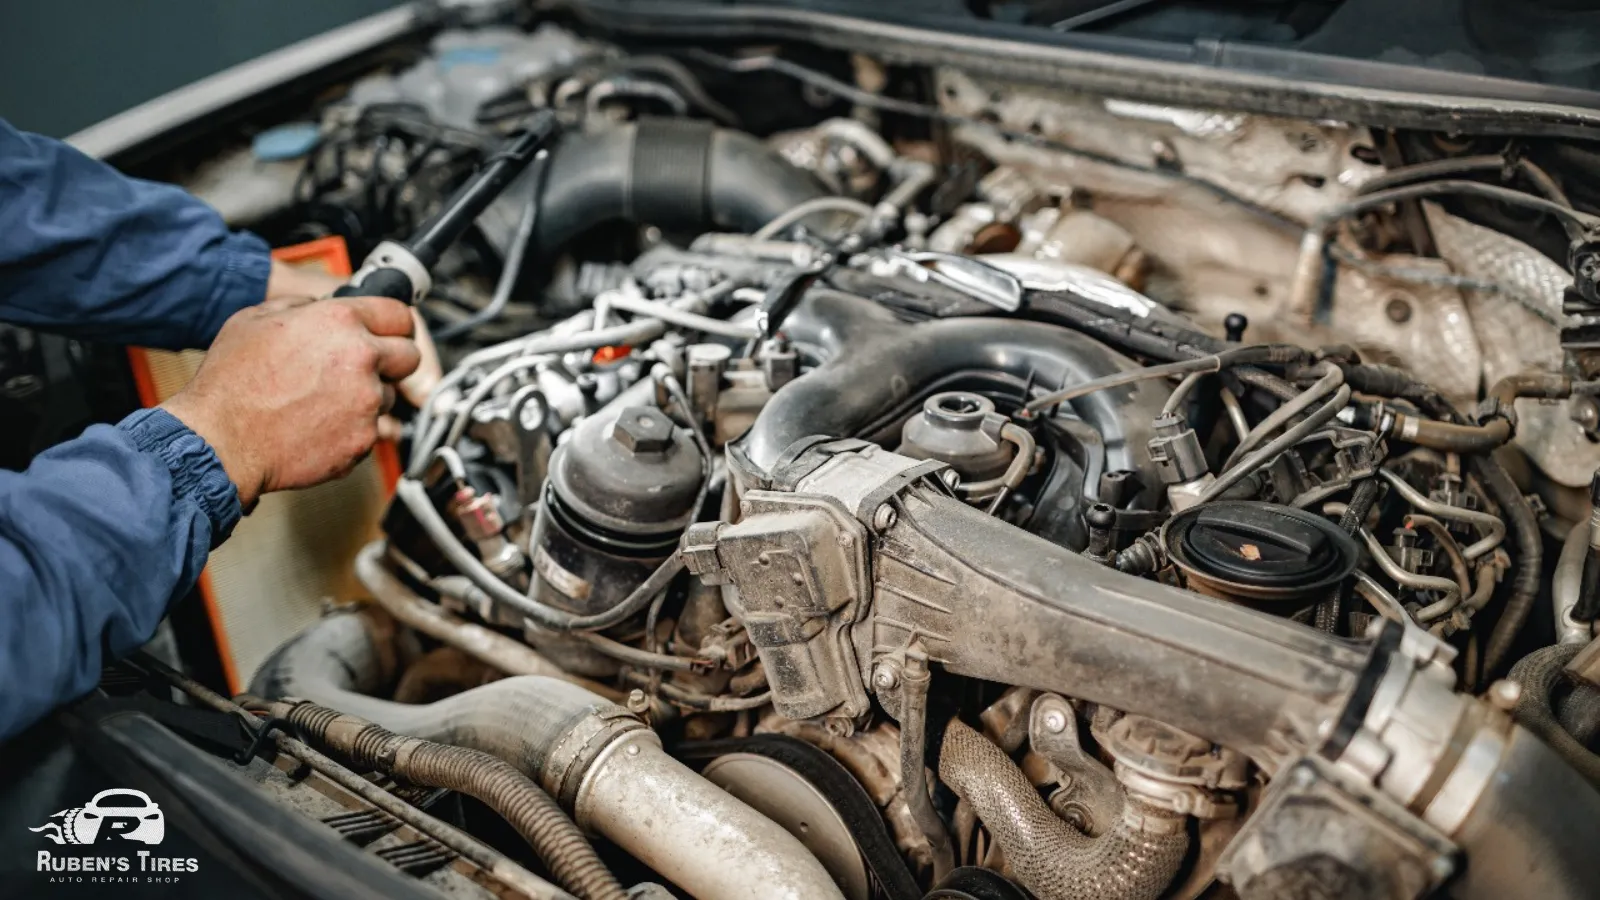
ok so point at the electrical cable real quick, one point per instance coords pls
(1204, 364)
(414, 496)
(1327, 384)
(509, 273)
(1462, 165)
(809, 208)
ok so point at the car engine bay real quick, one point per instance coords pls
(858, 479)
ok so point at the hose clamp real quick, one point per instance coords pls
(576, 751)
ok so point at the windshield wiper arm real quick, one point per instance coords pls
(1099, 12)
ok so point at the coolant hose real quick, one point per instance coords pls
(1135, 859)
(591, 755)
(558, 842)
(1529, 572)
(679, 174)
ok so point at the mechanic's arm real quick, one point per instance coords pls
(91, 253)
(102, 533)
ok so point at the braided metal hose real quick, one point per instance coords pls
(1136, 859)
(558, 842)
(1539, 673)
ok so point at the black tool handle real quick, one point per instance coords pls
(379, 283)
(445, 227)
(472, 198)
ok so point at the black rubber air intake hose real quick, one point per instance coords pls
(679, 174)
(876, 364)
(554, 837)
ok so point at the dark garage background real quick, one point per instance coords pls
(66, 64)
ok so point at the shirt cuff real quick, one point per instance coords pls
(242, 263)
(197, 474)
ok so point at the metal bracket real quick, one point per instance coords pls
(1090, 796)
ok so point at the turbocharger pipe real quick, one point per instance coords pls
(875, 365)
(599, 761)
(1133, 860)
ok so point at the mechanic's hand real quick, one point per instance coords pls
(290, 392)
(288, 282)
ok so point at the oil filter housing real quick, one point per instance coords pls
(619, 494)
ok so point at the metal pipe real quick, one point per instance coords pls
(1230, 403)
(1327, 384)
(1566, 587)
(523, 804)
(592, 756)
(1180, 394)
(914, 681)
(480, 855)
(1416, 582)
(566, 337)
(1447, 543)
(1264, 455)
(1013, 608)
(810, 208)
(694, 321)
(1494, 528)
(486, 645)
(1381, 600)
(691, 831)
(859, 136)
(1309, 279)
(1203, 365)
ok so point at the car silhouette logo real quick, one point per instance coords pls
(119, 814)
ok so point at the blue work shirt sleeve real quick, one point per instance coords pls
(87, 252)
(102, 533)
(97, 538)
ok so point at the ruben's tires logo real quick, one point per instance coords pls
(117, 814)
(117, 818)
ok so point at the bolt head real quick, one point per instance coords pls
(885, 517)
(885, 678)
(1054, 721)
(1101, 515)
(637, 702)
(643, 429)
